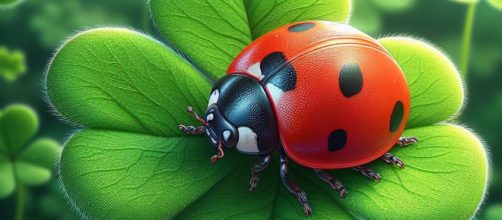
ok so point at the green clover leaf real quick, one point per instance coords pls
(24, 161)
(212, 33)
(129, 91)
(12, 64)
(435, 85)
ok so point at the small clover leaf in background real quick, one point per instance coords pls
(69, 15)
(9, 3)
(12, 64)
(367, 16)
(52, 204)
(497, 4)
(466, 1)
(493, 212)
(130, 91)
(24, 161)
(393, 6)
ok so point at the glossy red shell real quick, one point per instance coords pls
(312, 115)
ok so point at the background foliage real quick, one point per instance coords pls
(12, 64)
(38, 26)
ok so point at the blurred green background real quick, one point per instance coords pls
(37, 27)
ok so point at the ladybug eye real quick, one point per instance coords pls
(214, 97)
(226, 135)
(209, 117)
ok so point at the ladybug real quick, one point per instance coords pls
(324, 94)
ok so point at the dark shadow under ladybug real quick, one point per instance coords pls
(240, 115)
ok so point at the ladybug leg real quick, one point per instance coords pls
(335, 184)
(291, 185)
(192, 130)
(405, 141)
(391, 159)
(259, 166)
(368, 172)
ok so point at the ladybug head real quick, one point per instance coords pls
(219, 130)
(238, 116)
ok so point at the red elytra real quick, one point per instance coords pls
(350, 103)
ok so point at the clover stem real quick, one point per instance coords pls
(467, 36)
(20, 202)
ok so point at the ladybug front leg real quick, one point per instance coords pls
(259, 166)
(335, 184)
(368, 172)
(291, 185)
(189, 129)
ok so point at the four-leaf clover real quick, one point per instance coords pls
(129, 92)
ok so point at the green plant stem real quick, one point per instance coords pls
(146, 20)
(20, 202)
(467, 36)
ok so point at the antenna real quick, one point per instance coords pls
(189, 129)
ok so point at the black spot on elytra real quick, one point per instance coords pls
(276, 70)
(397, 116)
(337, 140)
(350, 79)
(301, 27)
(272, 62)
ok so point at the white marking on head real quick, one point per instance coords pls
(214, 97)
(247, 140)
(275, 92)
(226, 135)
(213, 140)
(209, 117)
(256, 70)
